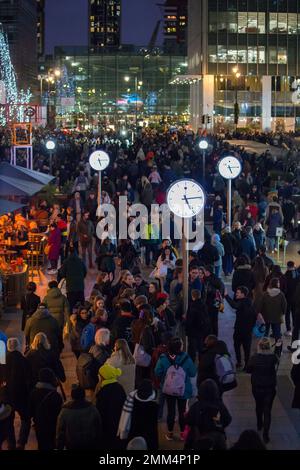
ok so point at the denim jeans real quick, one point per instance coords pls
(271, 243)
(276, 330)
(218, 271)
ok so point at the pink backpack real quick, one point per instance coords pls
(174, 383)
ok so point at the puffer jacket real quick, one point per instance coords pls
(262, 367)
(79, 427)
(43, 322)
(273, 306)
(57, 305)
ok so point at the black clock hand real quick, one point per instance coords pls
(195, 197)
(186, 200)
(229, 167)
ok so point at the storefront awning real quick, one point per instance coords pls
(18, 187)
(24, 173)
(9, 206)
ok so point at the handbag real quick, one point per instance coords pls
(47, 249)
(142, 359)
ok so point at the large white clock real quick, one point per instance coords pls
(99, 160)
(185, 198)
(229, 167)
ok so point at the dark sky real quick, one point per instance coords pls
(66, 22)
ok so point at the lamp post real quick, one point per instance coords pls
(137, 87)
(203, 145)
(237, 75)
(50, 146)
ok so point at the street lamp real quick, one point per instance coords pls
(237, 75)
(203, 145)
(50, 146)
(137, 86)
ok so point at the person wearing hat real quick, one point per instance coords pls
(44, 406)
(216, 241)
(140, 415)
(110, 399)
(263, 367)
(79, 424)
(6, 422)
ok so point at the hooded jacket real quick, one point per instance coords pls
(245, 315)
(215, 241)
(43, 322)
(74, 270)
(79, 427)
(57, 305)
(273, 306)
(243, 276)
(188, 366)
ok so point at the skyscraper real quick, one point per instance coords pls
(19, 20)
(175, 24)
(104, 24)
(247, 52)
(40, 27)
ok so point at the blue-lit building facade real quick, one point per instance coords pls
(259, 39)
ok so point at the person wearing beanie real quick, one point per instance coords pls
(79, 424)
(137, 443)
(110, 399)
(44, 406)
(140, 415)
(18, 378)
(263, 366)
(43, 322)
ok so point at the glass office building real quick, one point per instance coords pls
(119, 88)
(250, 54)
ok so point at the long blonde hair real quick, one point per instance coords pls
(40, 339)
(122, 346)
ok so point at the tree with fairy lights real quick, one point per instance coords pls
(14, 98)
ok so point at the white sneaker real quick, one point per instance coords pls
(288, 333)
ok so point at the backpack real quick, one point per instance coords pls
(87, 336)
(86, 370)
(218, 301)
(225, 372)
(174, 383)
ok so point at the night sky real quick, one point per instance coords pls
(66, 22)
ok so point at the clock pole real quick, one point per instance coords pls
(99, 189)
(229, 203)
(185, 270)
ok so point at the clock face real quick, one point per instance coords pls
(229, 167)
(185, 198)
(99, 160)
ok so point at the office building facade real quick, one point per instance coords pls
(247, 52)
(19, 21)
(104, 24)
(175, 25)
(119, 89)
(40, 27)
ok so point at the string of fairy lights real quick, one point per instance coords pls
(13, 97)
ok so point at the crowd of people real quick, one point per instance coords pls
(138, 354)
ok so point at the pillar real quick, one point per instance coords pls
(266, 118)
(202, 101)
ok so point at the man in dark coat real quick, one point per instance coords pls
(44, 405)
(74, 271)
(79, 424)
(29, 302)
(244, 323)
(197, 324)
(18, 386)
(207, 366)
(43, 322)
(213, 288)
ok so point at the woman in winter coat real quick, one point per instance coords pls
(122, 358)
(228, 242)
(215, 241)
(142, 334)
(140, 416)
(109, 402)
(18, 379)
(45, 405)
(259, 235)
(276, 273)
(200, 418)
(262, 367)
(101, 350)
(40, 357)
(273, 308)
(243, 275)
(78, 321)
(273, 222)
(165, 262)
(54, 242)
(175, 356)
